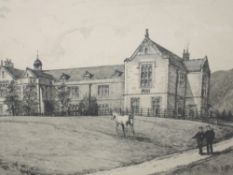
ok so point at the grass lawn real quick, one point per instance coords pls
(77, 145)
(220, 163)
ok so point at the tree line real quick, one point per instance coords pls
(15, 105)
(224, 115)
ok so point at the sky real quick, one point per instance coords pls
(81, 33)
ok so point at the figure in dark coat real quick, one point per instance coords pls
(209, 136)
(199, 136)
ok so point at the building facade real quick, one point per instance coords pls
(152, 81)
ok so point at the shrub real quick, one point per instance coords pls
(88, 106)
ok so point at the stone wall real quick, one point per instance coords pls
(176, 91)
(5, 78)
(114, 99)
(193, 92)
(159, 81)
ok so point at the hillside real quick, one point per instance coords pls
(221, 92)
(78, 145)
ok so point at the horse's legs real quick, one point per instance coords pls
(132, 129)
(123, 129)
(117, 128)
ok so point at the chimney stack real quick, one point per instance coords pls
(8, 63)
(186, 55)
(147, 33)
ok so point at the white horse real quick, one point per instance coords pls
(124, 121)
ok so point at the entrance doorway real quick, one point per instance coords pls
(135, 105)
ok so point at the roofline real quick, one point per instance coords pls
(167, 50)
(133, 54)
(31, 70)
(195, 59)
(174, 56)
(183, 66)
(85, 67)
(12, 75)
(205, 60)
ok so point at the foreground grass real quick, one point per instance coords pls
(87, 144)
(219, 163)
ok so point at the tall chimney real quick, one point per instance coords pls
(147, 33)
(186, 55)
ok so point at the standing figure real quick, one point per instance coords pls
(209, 135)
(199, 136)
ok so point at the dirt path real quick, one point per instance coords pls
(165, 163)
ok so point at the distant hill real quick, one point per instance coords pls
(221, 90)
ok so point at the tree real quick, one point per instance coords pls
(229, 116)
(50, 106)
(12, 99)
(30, 98)
(224, 114)
(217, 114)
(64, 98)
(88, 106)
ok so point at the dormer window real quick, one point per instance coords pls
(64, 76)
(117, 73)
(87, 75)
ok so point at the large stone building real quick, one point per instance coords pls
(152, 81)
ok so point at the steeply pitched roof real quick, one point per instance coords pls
(165, 52)
(17, 73)
(173, 58)
(98, 72)
(194, 65)
(41, 74)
